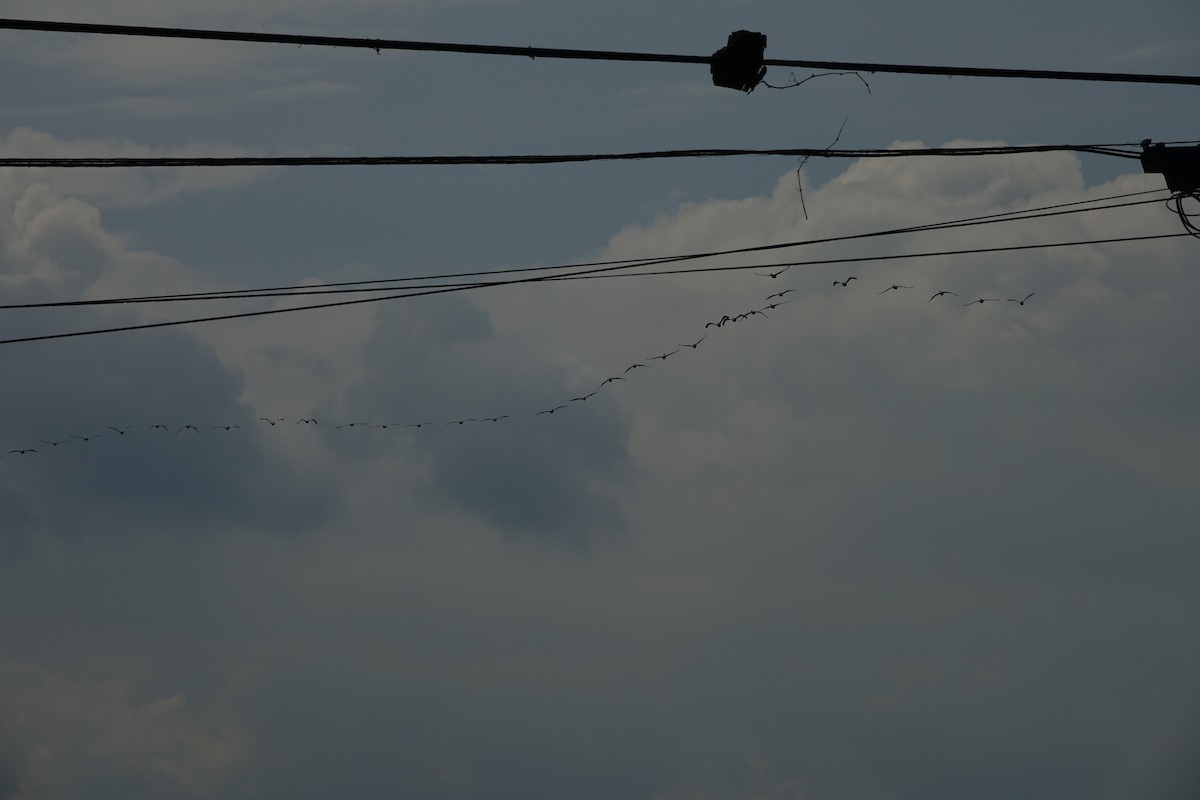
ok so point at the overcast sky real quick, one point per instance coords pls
(868, 544)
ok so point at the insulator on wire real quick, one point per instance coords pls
(739, 64)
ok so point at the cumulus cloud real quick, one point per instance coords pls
(64, 736)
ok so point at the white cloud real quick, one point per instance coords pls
(63, 736)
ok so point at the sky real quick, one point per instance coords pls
(868, 543)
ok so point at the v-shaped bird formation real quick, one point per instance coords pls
(189, 428)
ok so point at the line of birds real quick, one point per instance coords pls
(778, 297)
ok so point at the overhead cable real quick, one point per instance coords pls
(393, 161)
(567, 53)
(578, 275)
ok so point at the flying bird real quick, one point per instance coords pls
(895, 287)
(120, 431)
(417, 424)
(774, 305)
(54, 444)
(632, 366)
(610, 380)
(495, 419)
(158, 427)
(585, 397)
(549, 410)
(272, 422)
(1021, 302)
(188, 427)
(23, 452)
(774, 274)
(349, 424)
(696, 343)
(461, 421)
(846, 282)
(719, 323)
(86, 438)
(780, 294)
(939, 294)
(306, 421)
(225, 427)
(665, 356)
(981, 300)
(386, 425)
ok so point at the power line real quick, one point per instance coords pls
(379, 161)
(566, 53)
(1037, 212)
(580, 275)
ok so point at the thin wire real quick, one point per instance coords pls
(335, 288)
(539, 278)
(568, 158)
(591, 55)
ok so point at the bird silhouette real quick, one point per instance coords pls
(461, 421)
(610, 380)
(24, 451)
(981, 300)
(352, 424)
(719, 323)
(306, 421)
(1021, 302)
(584, 397)
(664, 356)
(272, 422)
(895, 287)
(120, 431)
(694, 344)
(846, 282)
(632, 366)
(774, 274)
(225, 427)
(939, 294)
(188, 427)
(779, 294)
(774, 305)
(417, 424)
(54, 444)
(158, 428)
(549, 410)
(494, 419)
(86, 438)
(386, 425)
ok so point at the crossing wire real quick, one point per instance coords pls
(567, 53)
(1113, 150)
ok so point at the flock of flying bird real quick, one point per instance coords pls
(777, 297)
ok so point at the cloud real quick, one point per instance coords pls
(64, 736)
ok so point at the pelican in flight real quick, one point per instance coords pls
(665, 356)
(158, 428)
(24, 451)
(982, 300)
(86, 438)
(610, 380)
(495, 419)
(774, 274)
(1021, 302)
(846, 282)
(225, 427)
(188, 427)
(549, 410)
(939, 294)
(780, 294)
(54, 444)
(272, 422)
(895, 287)
(632, 366)
(584, 397)
(306, 421)
(696, 343)
(120, 431)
